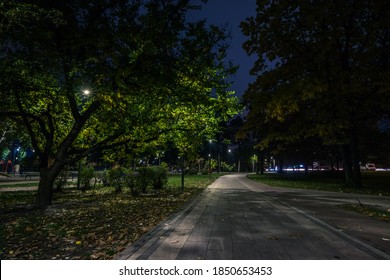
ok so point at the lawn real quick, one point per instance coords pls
(96, 224)
(375, 183)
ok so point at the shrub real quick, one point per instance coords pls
(131, 180)
(103, 178)
(86, 176)
(191, 171)
(145, 178)
(155, 177)
(114, 178)
(61, 180)
(138, 182)
(159, 177)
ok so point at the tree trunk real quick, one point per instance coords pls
(45, 187)
(306, 168)
(281, 163)
(355, 160)
(347, 164)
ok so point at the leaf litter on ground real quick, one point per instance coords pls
(92, 225)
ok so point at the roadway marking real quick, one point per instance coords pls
(323, 224)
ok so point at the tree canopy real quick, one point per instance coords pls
(87, 76)
(322, 71)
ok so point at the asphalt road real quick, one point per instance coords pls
(236, 218)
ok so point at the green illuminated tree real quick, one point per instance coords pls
(91, 76)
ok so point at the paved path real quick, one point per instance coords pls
(236, 218)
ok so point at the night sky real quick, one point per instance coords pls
(232, 12)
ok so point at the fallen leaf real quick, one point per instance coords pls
(29, 229)
(272, 237)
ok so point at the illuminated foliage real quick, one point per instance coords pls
(92, 76)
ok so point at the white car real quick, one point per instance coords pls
(370, 167)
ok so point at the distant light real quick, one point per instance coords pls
(86, 92)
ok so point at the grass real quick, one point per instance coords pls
(368, 211)
(96, 224)
(27, 184)
(374, 183)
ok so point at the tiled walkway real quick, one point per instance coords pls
(235, 219)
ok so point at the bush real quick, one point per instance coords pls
(159, 177)
(155, 177)
(145, 178)
(138, 182)
(227, 167)
(86, 176)
(114, 178)
(61, 180)
(131, 180)
(103, 178)
(191, 171)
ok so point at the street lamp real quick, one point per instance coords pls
(229, 160)
(210, 141)
(13, 160)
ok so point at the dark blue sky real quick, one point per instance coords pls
(232, 13)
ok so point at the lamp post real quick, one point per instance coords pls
(229, 152)
(209, 167)
(85, 92)
(210, 141)
(182, 172)
(13, 159)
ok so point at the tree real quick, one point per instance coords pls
(91, 76)
(322, 71)
(6, 134)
